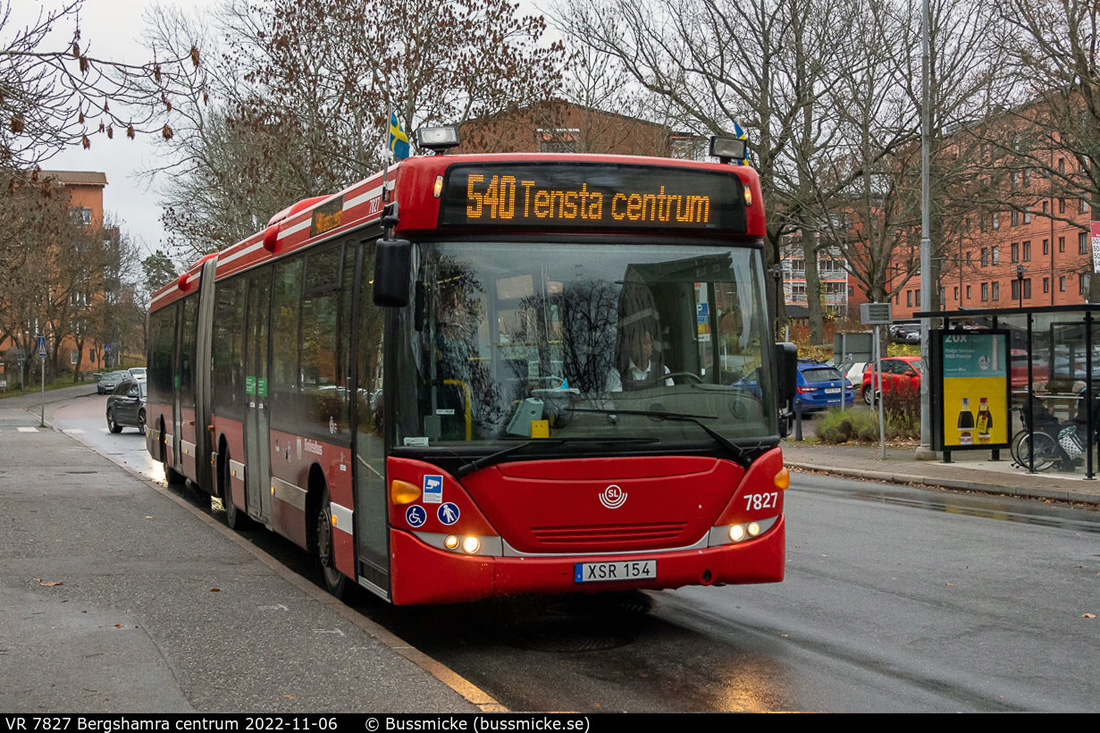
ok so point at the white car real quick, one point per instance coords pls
(854, 371)
(138, 373)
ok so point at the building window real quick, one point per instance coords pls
(1046, 247)
(996, 221)
(1082, 243)
(1046, 285)
(995, 291)
(1027, 177)
(985, 292)
(909, 298)
(1061, 245)
(1082, 284)
(1027, 251)
(1062, 284)
(995, 255)
(1015, 218)
(685, 146)
(1027, 215)
(1061, 206)
(1044, 207)
(561, 140)
(968, 293)
(1015, 248)
(985, 257)
(1082, 207)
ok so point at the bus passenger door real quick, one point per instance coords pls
(371, 525)
(256, 423)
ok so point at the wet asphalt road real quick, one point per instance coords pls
(896, 599)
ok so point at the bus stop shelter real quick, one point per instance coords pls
(1048, 360)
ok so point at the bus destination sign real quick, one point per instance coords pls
(591, 195)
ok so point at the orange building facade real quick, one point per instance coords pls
(1013, 258)
(83, 192)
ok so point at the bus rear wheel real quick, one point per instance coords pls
(171, 475)
(324, 549)
(234, 517)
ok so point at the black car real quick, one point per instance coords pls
(126, 406)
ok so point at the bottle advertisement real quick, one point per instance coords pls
(975, 390)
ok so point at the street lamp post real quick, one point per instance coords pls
(1020, 284)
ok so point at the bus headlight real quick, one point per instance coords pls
(731, 534)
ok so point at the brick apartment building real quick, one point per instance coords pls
(1011, 258)
(557, 126)
(83, 192)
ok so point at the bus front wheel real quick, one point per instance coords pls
(324, 549)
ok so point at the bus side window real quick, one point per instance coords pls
(286, 310)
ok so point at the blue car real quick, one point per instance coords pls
(820, 387)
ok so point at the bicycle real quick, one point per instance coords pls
(1046, 439)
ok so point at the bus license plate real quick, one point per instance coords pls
(589, 572)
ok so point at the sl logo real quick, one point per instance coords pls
(613, 497)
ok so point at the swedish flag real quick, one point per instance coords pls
(741, 135)
(399, 140)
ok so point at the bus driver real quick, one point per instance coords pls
(639, 364)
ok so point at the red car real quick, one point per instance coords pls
(899, 373)
(1039, 372)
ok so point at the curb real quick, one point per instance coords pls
(1065, 495)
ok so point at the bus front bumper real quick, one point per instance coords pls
(422, 574)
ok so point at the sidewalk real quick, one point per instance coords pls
(968, 471)
(119, 595)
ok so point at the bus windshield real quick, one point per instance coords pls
(508, 341)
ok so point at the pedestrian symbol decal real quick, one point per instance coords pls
(416, 516)
(447, 513)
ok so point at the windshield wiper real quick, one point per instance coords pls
(740, 455)
(486, 461)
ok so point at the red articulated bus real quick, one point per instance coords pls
(482, 375)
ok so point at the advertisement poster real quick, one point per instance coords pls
(1095, 232)
(975, 390)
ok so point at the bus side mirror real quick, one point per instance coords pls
(392, 265)
(786, 362)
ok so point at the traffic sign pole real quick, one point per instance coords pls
(42, 356)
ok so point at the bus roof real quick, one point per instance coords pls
(413, 185)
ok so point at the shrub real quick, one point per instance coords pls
(902, 349)
(901, 407)
(852, 424)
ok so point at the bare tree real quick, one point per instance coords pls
(297, 101)
(56, 96)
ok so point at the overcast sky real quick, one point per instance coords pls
(113, 29)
